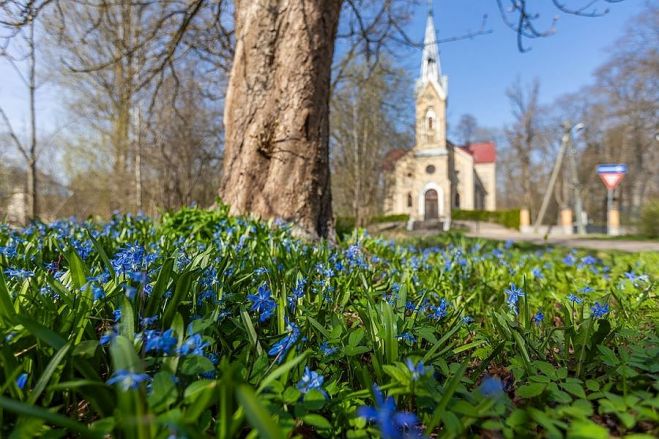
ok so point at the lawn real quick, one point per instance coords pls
(200, 324)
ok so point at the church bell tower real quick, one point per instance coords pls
(431, 96)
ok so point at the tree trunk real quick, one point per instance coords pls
(276, 158)
(33, 176)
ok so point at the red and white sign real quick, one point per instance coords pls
(611, 175)
(611, 181)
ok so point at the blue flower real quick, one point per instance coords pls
(311, 380)
(407, 337)
(538, 317)
(18, 273)
(21, 381)
(599, 310)
(160, 342)
(98, 292)
(281, 348)
(392, 424)
(491, 386)
(193, 345)
(467, 320)
(128, 380)
(439, 311)
(117, 314)
(537, 273)
(589, 260)
(107, 338)
(513, 293)
(263, 303)
(326, 349)
(417, 370)
(574, 299)
(298, 292)
(148, 321)
(569, 259)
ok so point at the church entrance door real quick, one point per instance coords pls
(432, 205)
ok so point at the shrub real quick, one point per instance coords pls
(649, 221)
(507, 218)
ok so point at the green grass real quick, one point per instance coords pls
(216, 326)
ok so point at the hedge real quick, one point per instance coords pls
(507, 218)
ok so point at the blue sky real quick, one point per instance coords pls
(479, 69)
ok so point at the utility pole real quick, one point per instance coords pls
(576, 189)
(566, 143)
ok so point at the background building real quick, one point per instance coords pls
(435, 176)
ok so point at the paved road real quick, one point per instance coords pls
(495, 231)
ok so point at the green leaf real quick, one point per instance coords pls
(76, 269)
(163, 392)
(42, 333)
(449, 389)
(180, 292)
(317, 421)
(251, 332)
(7, 311)
(592, 385)
(196, 365)
(101, 253)
(29, 410)
(124, 355)
(585, 429)
(127, 322)
(85, 349)
(574, 389)
(47, 374)
(531, 390)
(355, 337)
(314, 400)
(199, 396)
(257, 415)
(160, 287)
(281, 370)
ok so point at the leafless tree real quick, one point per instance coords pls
(523, 134)
(24, 62)
(365, 125)
(277, 105)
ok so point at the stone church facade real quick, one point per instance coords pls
(435, 176)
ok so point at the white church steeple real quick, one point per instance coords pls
(431, 71)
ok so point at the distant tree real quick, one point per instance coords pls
(466, 128)
(365, 125)
(277, 105)
(524, 135)
(24, 61)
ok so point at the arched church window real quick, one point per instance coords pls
(430, 123)
(457, 200)
(409, 199)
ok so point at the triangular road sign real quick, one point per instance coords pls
(611, 180)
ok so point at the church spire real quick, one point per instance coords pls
(430, 66)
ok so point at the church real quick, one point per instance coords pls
(435, 176)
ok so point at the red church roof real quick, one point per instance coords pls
(483, 152)
(392, 157)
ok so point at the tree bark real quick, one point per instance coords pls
(276, 159)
